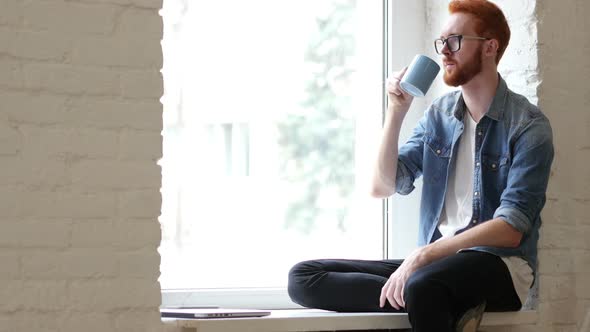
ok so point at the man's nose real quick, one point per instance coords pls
(445, 49)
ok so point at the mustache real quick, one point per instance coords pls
(448, 61)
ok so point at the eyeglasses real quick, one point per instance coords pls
(453, 42)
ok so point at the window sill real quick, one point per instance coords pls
(318, 320)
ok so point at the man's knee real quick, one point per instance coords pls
(299, 282)
(421, 290)
(427, 299)
(302, 272)
(414, 289)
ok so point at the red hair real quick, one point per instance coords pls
(490, 21)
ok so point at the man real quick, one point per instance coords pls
(484, 153)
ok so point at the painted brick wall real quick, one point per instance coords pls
(564, 96)
(80, 128)
(80, 123)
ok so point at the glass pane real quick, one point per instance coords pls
(272, 112)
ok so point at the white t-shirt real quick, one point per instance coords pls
(458, 208)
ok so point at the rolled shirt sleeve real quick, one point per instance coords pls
(514, 217)
(410, 155)
(404, 179)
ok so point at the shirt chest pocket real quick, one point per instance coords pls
(437, 146)
(436, 159)
(494, 164)
(495, 172)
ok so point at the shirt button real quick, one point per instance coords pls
(476, 193)
(474, 221)
(480, 133)
(437, 151)
(493, 165)
(477, 164)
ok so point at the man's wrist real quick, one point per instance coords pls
(393, 109)
(395, 114)
(428, 254)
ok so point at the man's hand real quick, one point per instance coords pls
(399, 100)
(393, 291)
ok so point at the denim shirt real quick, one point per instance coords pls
(513, 156)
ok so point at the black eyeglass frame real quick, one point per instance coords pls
(460, 38)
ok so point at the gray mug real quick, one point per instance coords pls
(419, 76)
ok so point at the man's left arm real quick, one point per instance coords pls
(493, 233)
(521, 201)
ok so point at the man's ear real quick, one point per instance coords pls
(492, 47)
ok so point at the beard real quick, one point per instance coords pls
(463, 74)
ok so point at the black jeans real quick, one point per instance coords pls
(435, 295)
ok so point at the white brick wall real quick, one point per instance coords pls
(80, 128)
(564, 97)
(80, 123)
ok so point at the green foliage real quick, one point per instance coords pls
(317, 146)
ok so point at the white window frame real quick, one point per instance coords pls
(404, 24)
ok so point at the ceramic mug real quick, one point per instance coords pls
(419, 76)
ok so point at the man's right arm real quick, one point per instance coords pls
(386, 166)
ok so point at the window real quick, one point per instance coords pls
(272, 115)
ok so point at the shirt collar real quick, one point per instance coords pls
(496, 110)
